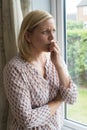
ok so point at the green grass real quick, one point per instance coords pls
(78, 111)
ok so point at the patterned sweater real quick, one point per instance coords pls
(28, 94)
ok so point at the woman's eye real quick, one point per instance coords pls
(45, 32)
(54, 31)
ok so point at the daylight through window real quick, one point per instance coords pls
(76, 56)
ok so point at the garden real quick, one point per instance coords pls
(76, 51)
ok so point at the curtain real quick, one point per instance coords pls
(11, 15)
(25, 6)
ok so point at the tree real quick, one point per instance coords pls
(77, 50)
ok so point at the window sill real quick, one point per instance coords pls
(69, 125)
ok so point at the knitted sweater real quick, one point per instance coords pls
(28, 94)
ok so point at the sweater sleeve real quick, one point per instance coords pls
(69, 95)
(17, 92)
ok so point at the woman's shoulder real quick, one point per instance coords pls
(15, 63)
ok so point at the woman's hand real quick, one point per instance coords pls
(55, 53)
(59, 63)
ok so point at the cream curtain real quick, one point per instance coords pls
(11, 15)
(25, 6)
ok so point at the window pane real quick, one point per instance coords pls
(76, 56)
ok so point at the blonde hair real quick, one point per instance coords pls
(30, 22)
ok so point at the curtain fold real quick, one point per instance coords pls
(25, 6)
(10, 20)
(12, 17)
(3, 101)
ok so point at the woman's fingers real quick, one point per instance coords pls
(54, 47)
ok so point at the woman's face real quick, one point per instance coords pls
(42, 36)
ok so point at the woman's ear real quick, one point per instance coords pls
(27, 37)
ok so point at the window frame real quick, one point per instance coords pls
(58, 11)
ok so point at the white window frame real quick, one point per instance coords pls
(57, 10)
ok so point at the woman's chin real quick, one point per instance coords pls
(47, 50)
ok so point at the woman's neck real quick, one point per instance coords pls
(39, 61)
(38, 57)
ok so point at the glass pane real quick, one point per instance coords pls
(76, 56)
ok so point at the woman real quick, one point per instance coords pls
(36, 81)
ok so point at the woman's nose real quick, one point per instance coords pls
(51, 36)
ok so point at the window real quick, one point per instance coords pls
(73, 41)
(41, 4)
(76, 59)
(76, 55)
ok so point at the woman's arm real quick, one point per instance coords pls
(59, 63)
(67, 88)
(55, 104)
